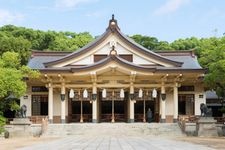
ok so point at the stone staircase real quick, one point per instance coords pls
(137, 129)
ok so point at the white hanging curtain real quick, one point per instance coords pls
(121, 93)
(85, 94)
(154, 93)
(71, 95)
(140, 93)
(104, 93)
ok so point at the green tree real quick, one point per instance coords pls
(185, 44)
(42, 40)
(163, 45)
(148, 42)
(11, 80)
(16, 44)
(213, 58)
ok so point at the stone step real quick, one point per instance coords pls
(154, 129)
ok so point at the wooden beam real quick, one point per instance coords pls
(113, 85)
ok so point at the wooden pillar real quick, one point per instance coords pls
(63, 104)
(50, 103)
(81, 111)
(113, 115)
(131, 116)
(175, 101)
(144, 116)
(163, 105)
(94, 104)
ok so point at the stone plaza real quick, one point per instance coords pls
(117, 142)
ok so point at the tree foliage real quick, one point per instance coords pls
(22, 40)
(12, 75)
(11, 80)
(213, 58)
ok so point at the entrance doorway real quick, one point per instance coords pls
(81, 111)
(139, 110)
(186, 104)
(113, 109)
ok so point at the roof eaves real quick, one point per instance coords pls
(80, 51)
(146, 51)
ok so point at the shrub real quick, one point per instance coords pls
(2, 122)
(222, 109)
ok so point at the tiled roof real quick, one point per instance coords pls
(114, 29)
(189, 61)
(211, 95)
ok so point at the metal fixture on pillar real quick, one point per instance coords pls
(163, 96)
(104, 93)
(94, 96)
(122, 93)
(62, 96)
(131, 96)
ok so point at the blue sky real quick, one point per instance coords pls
(165, 19)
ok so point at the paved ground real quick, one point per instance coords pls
(215, 142)
(116, 143)
(14, 143)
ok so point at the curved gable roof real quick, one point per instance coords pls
(114, 29)
(117, 59)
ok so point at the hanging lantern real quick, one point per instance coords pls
(121, 93)
(71, 95)
(154, 93)
(140, 93)
(104, 93)
(85, 94)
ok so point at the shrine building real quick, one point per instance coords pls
(114, 79)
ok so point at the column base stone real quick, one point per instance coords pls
(162, 120)
(50, 121)
(174, 120)
(63, 120)
(94, 121)
(130, 120)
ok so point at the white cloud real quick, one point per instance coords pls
(7, 17)
(69, 4)
(170, 6)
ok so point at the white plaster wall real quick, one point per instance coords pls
(121, 50)
(199, 90)
(84, 61)
(104, 50)
(139, 60)
(169, 103)
(56, 104)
